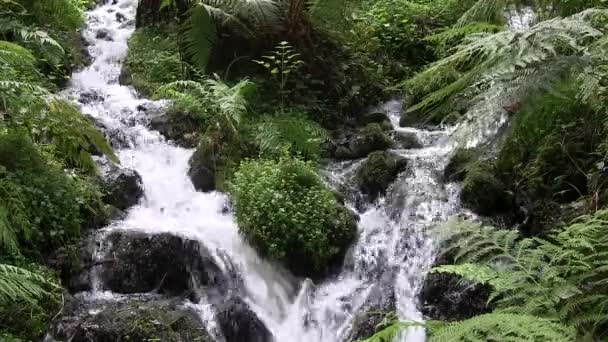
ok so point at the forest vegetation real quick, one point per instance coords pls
(263, 89)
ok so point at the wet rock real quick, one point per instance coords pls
(447, 297)
(407, 140)
(239, 323)
(120, 17)
(483, 192)
(125, 76)
(201, 170)
(354, 145)
(90, 96)
(457, 167)
(104, 34)
(164, 263)
(378, 172)
(175, 127)
(137, 320)
(123, 188)
(114, 135)
(85, 55)
(368, 320)
(371, 138)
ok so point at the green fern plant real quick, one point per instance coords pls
(562, 278)
(19, 284)
(295, 132)
(226, 104)
(497, 70)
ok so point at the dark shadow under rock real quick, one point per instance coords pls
(447, 297)
(165, 263)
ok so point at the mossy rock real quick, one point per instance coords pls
(215, 159)
(133, 321)
(349, 145)
(483, 192)
(371, 138)
(461, 160)
(378, 172)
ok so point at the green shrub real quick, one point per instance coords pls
(287, 213)
(152, 60)
(52, 203)
(551, 145)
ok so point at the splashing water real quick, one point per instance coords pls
(387, 263)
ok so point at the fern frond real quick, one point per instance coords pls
(302, 135)
(199, 35)
(505, 328)
(20, 284)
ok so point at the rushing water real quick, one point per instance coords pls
(388, 261)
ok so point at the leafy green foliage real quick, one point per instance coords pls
(287, 213)
(223, 105)
(45, 206)
(516, 64)
(152, 60)
(281, 63)
(550, 147)
(301, 136)
(20, 284)
(503, 327)
(557, 279)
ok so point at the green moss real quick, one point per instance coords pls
(371, 138)
(153, 59)
(378, 172)
(286, 212)
(483, 192)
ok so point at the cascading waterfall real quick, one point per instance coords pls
(387, 263)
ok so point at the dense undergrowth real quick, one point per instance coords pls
(260, 87)
(42, 207)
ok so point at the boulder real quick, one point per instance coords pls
(407, 140)
(123, 188)
(369, 318)
(165, 263)
(104, 34)
(358, 144)
(483, 192)
(137, 320)
(87, 97)
(378, 172)
(371, 138)
(175, 127)
(447, 297)
(239, 323)
(114, 135)
(202, 169)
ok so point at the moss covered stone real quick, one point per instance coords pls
(483, 192)
(378, 172)
(133, 321)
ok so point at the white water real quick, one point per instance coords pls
(389, 258)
